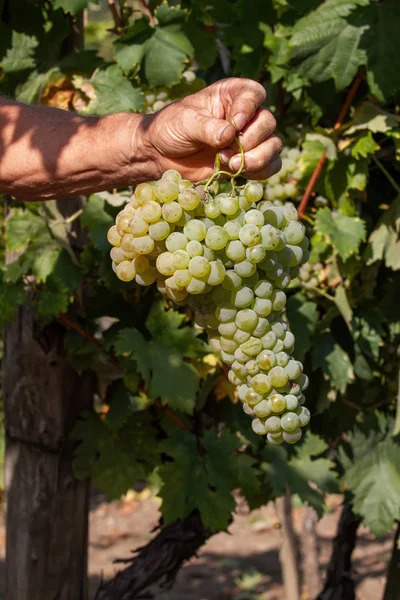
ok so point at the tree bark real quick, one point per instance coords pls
(47, 508)
(392, 589)
(310, 554)
(288, 555)
(157, 564)
(339, 582)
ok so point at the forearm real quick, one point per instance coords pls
(49, 153)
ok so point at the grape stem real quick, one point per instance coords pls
(220, 172)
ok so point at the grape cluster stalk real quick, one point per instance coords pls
(230, 256)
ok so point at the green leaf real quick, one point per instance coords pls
(98, 221)
(45, 261)
(161, 51)
(303, 317)
(364, 146)
(166, 327)
(382, 46)
(343, 232)
(120, 405)
(71, 6)
(333, 361)
(114, 93)
(343, 304)
(384, 241)
(372, 474)
(12, 295)
(115, 461)
(21, 55)
(132, 342)
(53, 299)
(327, 45)
(202, 481)
(328, 144)
(306, 473)
(370, 117)
(368, 333)
(21, 228)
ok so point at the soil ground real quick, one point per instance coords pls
(252, 545)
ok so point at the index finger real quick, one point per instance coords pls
(242, 99)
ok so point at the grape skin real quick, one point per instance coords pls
(231, 260)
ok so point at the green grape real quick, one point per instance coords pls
(278, 376)
(262, 328)
(147, 277)
(294, 232)
(149, 212)
(212, 209)
(277, 403)
(171, 212)
(235, 250)
(250, 235)
(159, 231)
(258, 427)
(228, 204)
(241, 336)
(182, 277)
(262, 409)
(245, 268)
(254, 217)
(217, 272)
(126, 271)
(113, 236)
(252, 347)
(252, 367)
(248, 410)
(138, 226)
(195, 230)
(216, 238)
(176, 241)
(263, 289)
(242, 297)
(261, 383)
(166, 190)
(199, 266)
(143, 244)
(232, 229)
(275, 438)
(290, 422)
(256, 254)
(246, 319)
(266, 359)
(145, 192)
(273, 425)
(189, 198)
(262, 307)
(253, 191)
(292, 437)
(304, 416)
(292, 402)
(180, 259)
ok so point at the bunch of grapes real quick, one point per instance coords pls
(230, 256)
(310, 276)
(155, 101)
(284, 185)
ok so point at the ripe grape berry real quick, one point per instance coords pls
(230, 257)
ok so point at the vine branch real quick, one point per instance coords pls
(115, 14)
(320, 166)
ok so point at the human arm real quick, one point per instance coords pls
(47, 153)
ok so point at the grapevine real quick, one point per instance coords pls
(230, 256)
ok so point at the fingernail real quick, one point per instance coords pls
(239, 121)
(234, 164)
(221, 132)
(226, 154)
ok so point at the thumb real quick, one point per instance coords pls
(213, 132)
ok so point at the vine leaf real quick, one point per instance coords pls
(161, 360)
(370, 117)
(384, 241)
(115, 459)
(306, 473)
(202, 480)
(371, 465)
(327, 45)
(333, 361)
(161, 52)
(303, 317)
(98, 221)
(114, 93)
(343, 232)
(364, 146)
(71, 6)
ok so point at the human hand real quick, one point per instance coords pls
(187, 134)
